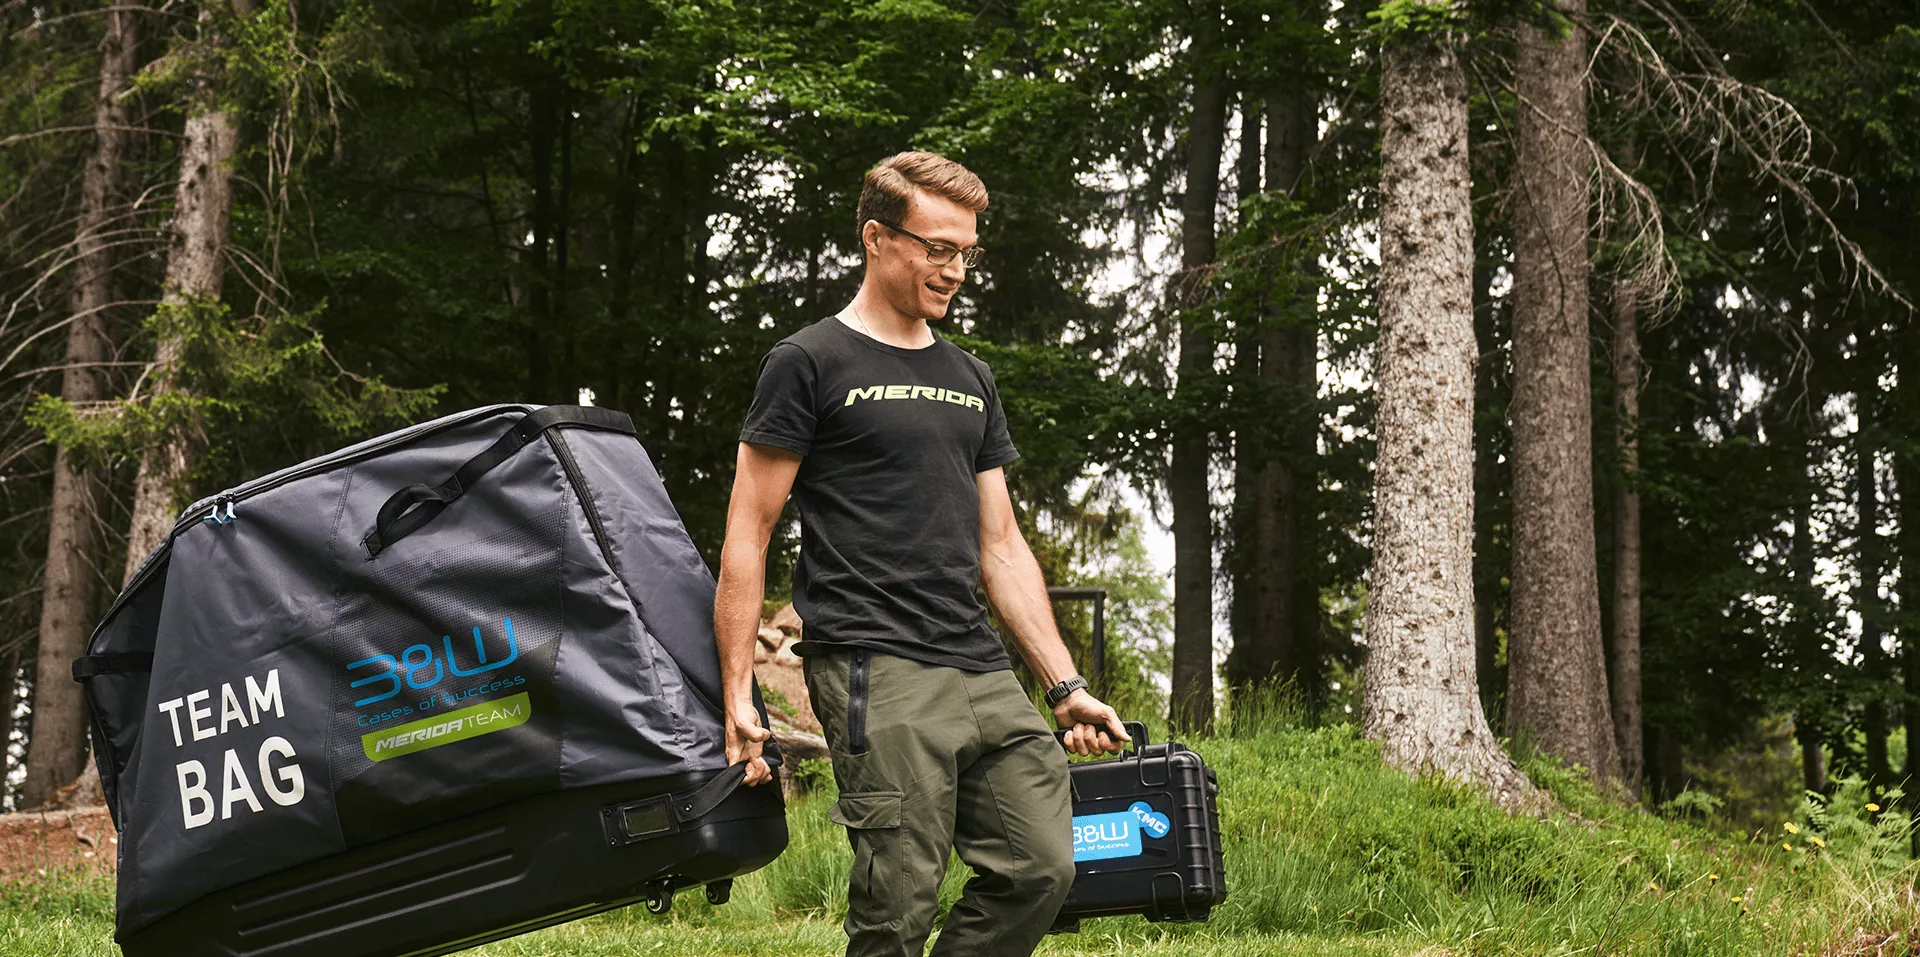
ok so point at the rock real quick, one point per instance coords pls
(800, 745)
(787, 678)
(84, 792)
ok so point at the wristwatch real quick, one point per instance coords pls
(1059, 692)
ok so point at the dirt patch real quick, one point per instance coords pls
(1877, 945)
(35, 844)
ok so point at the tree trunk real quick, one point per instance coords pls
(626, 203)
(202, 203)
(1906, 482)
(1278, 605)
(1249, 440)
(9, 700)
(704, 180)
(544, 104)
(1556, 665)
(1286, 606)
(1667, 774)
(1809, 651)
(1625, 682)
(1192, 697)
(70, 591)
(1813, 756)
(1866, 600)
(1490, 569)
(569, 385)
(1420, 698)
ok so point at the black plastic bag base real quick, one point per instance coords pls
(516, 868)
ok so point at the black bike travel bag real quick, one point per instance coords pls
(1146, 835)
(445, 686)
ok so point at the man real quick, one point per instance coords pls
(893, 440)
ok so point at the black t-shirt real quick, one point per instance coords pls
(891, 440)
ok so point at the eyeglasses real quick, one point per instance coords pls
(939, 254)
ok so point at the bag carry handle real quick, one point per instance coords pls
(1137, 729)
(411, 508)
(672, 813)
(133, 662)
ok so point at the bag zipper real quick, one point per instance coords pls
(192, 516)
(857, 702)
(583, 492)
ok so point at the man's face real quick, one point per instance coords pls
(915, 287)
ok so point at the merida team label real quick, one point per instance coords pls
(484, 718)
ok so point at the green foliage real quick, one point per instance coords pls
(233, 383)
(1867, 834)
(1692, 802)
(1328, 852)
(1755, 778)
(813, 775)
(1253, 709)
(1139, 617)
(1400, 20)
(775, 698)
(516, 200)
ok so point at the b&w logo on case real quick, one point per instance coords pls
(1097, 837)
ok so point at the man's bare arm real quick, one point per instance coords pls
(1018, 593)
(763, 476)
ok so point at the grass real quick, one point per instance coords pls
(1328, 853)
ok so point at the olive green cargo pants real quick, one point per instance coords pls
(930, 758)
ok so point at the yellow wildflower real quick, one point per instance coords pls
(1712, 877)
(1816, 842)
(1792, 828)
(1873, 807)
(1787, 846)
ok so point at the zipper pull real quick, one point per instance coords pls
(215, 517)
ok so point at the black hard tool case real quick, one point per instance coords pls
(1146, 835)
(445, 686)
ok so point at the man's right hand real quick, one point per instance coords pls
(744, 739)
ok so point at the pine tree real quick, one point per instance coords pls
(1421, 698)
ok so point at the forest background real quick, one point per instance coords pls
(235, 235)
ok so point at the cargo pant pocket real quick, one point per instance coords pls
(872, 820)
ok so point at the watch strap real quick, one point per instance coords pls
(1059, 692)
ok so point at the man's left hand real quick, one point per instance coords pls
(1092, 727)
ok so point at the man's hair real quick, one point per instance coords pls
(889, 187)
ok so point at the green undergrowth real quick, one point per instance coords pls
(1327, 852)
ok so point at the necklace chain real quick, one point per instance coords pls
(863, 325)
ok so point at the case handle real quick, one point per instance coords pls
(1136, 729)
(411, 508)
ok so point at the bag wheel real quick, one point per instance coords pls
(720, 892)
(660, 898)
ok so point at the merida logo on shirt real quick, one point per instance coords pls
(881, 392)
